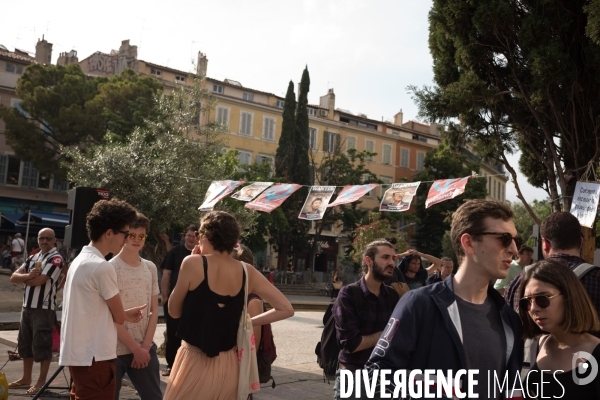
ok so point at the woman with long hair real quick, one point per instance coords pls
(209, 300)
(558, 315)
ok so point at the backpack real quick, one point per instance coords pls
(266, 352)
(582, 269)
(328, 349)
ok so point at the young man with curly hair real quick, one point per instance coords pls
(92, 305)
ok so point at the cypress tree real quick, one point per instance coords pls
(284, 157)
(301, 166)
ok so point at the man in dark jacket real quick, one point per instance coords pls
(461, 323)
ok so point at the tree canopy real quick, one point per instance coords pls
(61, 107)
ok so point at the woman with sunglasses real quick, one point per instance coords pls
(558, 314)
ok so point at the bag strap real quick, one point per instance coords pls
(583, 269)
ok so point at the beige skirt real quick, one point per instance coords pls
(196, 376)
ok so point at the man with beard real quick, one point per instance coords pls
(362, 309)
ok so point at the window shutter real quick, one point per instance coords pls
(326, 141)
(387, 154)
(3, 167)
(337, 140)
(351, 143)
(26, 172)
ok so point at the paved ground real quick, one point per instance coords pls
(295, 371)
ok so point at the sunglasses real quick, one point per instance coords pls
(505, 238)
(132, 236)
(126, 233)
(541, 300)
(46, 238)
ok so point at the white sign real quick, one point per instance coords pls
(585, 202)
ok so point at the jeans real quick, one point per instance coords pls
(145, 380)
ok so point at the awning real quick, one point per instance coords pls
(40, 220)
(8, 221)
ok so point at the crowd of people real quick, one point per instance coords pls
(400, 315)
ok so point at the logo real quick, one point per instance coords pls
(588, 367)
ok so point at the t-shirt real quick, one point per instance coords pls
(137, 285)
(419, 279)
(88, 330)
(17, 245)
(484, 342)
(514, 270)
(43, 296)
(173, 261)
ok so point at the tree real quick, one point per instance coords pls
(159, 168)
(520, 74)
(377, 228)
(300, 170)
(442, 163)
(523, 221)
(61, 107)
(284, 157)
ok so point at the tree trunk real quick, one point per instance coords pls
(589, 244)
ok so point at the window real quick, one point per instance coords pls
(502, 192)
(331, 141)
(404, 158)
(156, 72)
(217, 89)
(312, 111)
(60, 186)
(269, 128)
(30, 176)
(261, 159)
(179, 78)
(419, 138)
(325, 176)
(245, 123)
(350, 143)
(387, 154)
(248, 97)
(370, 147)
(223, 116)
(14, 68)
(366, 178)
(312, 138)
(244, 157)
(13, 169)
(495, 183)
(489, 186)
(395, 133)
(279, 103)
(420, 159)
(387, 183)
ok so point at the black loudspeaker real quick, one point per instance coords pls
(80, 202)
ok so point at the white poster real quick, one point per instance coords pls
(248, 193)
(316, 202)
(399, 196)
(585, 202)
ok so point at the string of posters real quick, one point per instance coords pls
(267, 196)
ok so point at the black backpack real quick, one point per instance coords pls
(327, 349)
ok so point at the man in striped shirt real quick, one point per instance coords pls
(39, 304)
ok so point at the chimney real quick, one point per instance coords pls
(202, 64)
(433, 129)
(127, 50)
(328, 101)
(43, 51)
(67, 58)
(398, 118)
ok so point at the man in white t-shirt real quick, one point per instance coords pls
(138, 285)
(92, 305)
(17, 246)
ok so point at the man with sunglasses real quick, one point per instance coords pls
(138, 285)
(461, 323)
(40, 275)
(92, 305)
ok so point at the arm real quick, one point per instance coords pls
(255, 307)
(20, 276)
(187, 272)
(152, 321)
(164, 283)
(116, 308)
(368, 342)
(282, 308)
(347, 323)
(436, 263)
(141, 356)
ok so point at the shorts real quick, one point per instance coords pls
(35, 334)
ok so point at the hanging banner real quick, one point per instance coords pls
(585, 202)
(352, 193)
(399, 196)
(216, 191)
(316, 202)
(273, 197)
(445, 189)
(248, 193)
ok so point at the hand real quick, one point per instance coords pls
(34, 273)
(164, 237)
(197, 250)
(134, 314)
(141, 358)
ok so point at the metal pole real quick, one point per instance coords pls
(43, 388)
(27, 232)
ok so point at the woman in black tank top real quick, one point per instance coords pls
(209, 299)
(554, 301)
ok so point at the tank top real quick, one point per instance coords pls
(204, 324)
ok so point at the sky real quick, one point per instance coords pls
(368, 51)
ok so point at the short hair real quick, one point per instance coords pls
(580, 314)
(525, 249)
(18, 235)
(469, 218)
(141, 221)
(244, 254)
(393, 240)
(317, 199)
(371, 251)
(221, 229)
(446, 259)
(110, 214)
(192, 227)
(562, 230)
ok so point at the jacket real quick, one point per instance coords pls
(425, 332)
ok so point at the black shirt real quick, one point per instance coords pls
(172, 262)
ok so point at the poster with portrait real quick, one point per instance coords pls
(316, 202)
(249, 193)
(216, 191)
(273, 197)
(398, 197)
(352, 193)
(445, 189)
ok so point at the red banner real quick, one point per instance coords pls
(273, 197)
(352, 193)
(445, 189)
(216, 191)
